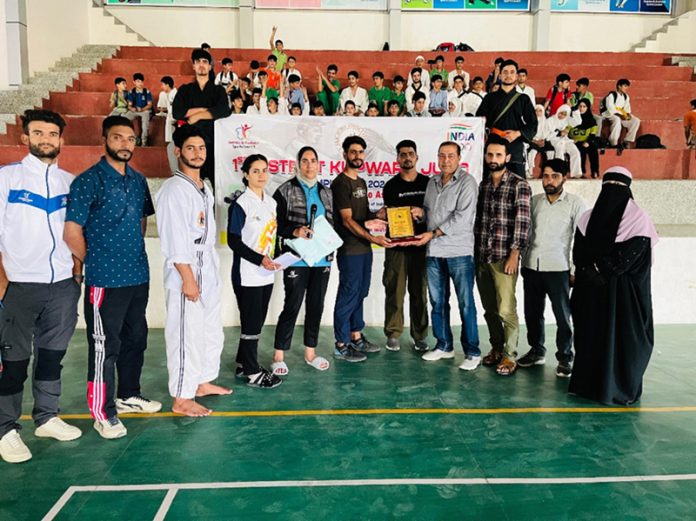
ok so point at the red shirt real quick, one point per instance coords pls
(557, 98)
(273, 78)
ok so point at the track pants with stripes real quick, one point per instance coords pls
(117, 338)
(194, 337)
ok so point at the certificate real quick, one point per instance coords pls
(401, 227)
(324, 241)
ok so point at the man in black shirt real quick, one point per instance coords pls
(404, 266)
(200, 103)
(510, 115)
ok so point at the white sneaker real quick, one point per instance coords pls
(12, 448)
(111, 428)
(137, 405)
(470, 363)
(57, 429)
(437, 354)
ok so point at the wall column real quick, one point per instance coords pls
(246, 24)
(394, 21)
(541, 24)
(16, 42)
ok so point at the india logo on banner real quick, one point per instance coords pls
(279, 138)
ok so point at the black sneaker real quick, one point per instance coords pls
(264, 380)
(362, 345)
(239, 373)
(347, 353)
(531, 359)
(421, 345)
(564, 369)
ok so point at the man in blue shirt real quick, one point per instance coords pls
(105, 227)
(140, 105)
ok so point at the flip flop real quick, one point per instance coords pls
(279, 368)
(319, 363)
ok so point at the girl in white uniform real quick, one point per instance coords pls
(193, 329)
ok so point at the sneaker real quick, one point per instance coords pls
(347, 353)
(362, 345)
(12, 448)
(264, 380)
(531, 359)
(393, 344)
(421, 345)
(239, 373)
(437, 354)
(137, 405)
(564, 370)
(470, 363)
(111, 428)
(58, 430)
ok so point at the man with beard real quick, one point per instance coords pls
(354, 259)
(39, 285)
(509, 114)
(404, 266)
(200, 103)
(450, 206)
(193, 328)
(612, 303)
(546, 266)
(501, 230)
(105, 226)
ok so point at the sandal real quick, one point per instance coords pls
(492, 358)
(319, 363)
(279, 368)
(506, 367)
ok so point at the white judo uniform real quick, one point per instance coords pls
(193, 330)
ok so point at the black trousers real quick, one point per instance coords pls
(590, 152)
(555, 284)
(298, 282)
(117, 338)
(253, 308)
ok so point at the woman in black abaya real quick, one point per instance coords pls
(611, 302)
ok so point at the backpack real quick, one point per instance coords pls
(464, 47)
(446, 47)
(603, 103)
(649, 141)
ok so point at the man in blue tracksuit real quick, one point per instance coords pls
(39, 285)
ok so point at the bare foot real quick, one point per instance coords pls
(189, 407)
(209, 389)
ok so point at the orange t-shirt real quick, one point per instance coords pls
(690, 121)
(273, 79)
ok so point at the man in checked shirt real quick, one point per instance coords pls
(501, 230)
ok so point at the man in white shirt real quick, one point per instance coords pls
(425, 73)
(547, 267)
(417, 84)
(164, 108)
(458, 92)
(227, 77)
(617, 111)
(458, 71)
(354, 93)
(523, 87)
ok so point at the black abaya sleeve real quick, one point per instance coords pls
(624, 257)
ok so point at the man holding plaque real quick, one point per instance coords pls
(404, 265)
(450, 208)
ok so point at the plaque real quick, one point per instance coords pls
(401, 229)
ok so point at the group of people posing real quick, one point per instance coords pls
(90, 229)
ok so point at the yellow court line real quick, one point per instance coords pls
(358, 412)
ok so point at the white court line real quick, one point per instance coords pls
(173, 488)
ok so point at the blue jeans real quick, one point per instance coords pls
(461, 271)
(354, 273)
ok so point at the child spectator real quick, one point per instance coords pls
(349, 108)
(253, 74)
(425, 77)
(297, 94)
(494, 75)
(254, 108)
(582, 92)
(416, 85)
(397, 94)
(227, 78)
(393, 109)
(458, 71)
(318, 109)
(458, 92)
(690, 126)
(539, 144)
(523, 87)
(557, 95)
(329, 90)
(278, 50)
(140, 106)
(585, 135)
(355, 93)
(420, 109)
(164, 108)
(439, 70)
(379, 94)
(237, 103)
(274, 77)
(617, 110)
(557, 130)
(372, 110)
(270, 92)
(118, 102)
(438, 98)
(472, 100)
(453, 109)
(290, 70)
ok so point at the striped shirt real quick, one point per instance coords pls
(502, 218)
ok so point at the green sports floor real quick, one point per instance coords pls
(391, 438)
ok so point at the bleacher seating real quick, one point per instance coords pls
(660, 93)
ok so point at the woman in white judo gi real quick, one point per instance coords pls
(193, 329)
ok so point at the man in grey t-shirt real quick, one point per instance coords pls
(450, 209)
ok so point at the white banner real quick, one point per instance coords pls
(279, 138)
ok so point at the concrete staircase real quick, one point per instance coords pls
(120, 26)
(57, 79)
(677, 35)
